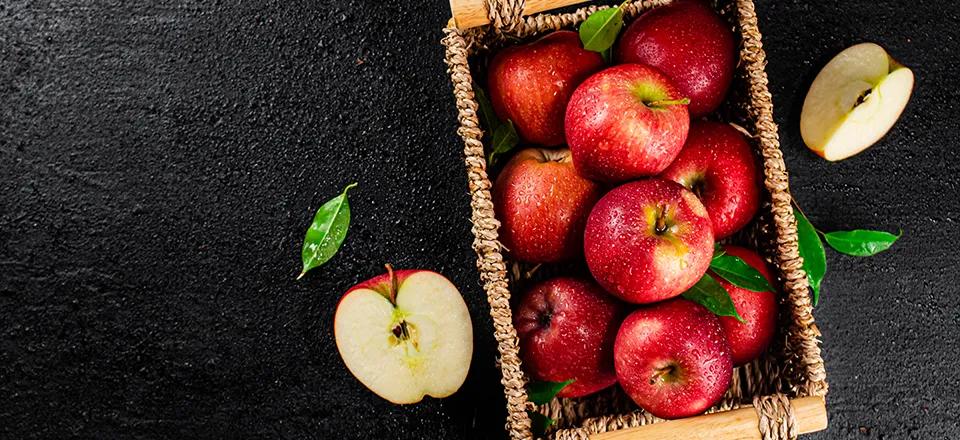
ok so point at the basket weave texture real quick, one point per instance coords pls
(792, 367)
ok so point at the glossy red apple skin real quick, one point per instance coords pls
(629, 257)
(614, 134)
(671, 358)
(749, 340)
(530, 84)
(688, 42)
(543, 204)
(567, 328)
(718, 165)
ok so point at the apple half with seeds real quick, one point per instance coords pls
(854, 101)
(405, 334)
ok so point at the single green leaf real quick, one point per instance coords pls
(504, 139)
(487, 116)
(710, 294)
(542, 392)
(599, 31)
(861, 242)
(327, 231)
(718, 251)
(539, 423)
(739, 273)
(811, 249)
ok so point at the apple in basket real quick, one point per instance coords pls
(717, 164)
(405, 334)
(567, 327)
(690, 44)
(672, 359)
(648, 240)
(625, 122)
(543, 204)
(530, 84)
(750, 338)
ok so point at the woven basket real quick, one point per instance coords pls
(769, 388)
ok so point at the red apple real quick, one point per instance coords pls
(405, 334)
(648, 240)
(530, 84)
(672, 360)
(718, 165)
(625, 122)
(748, 340)
(567, 327)
(689, 43)
(543, 204)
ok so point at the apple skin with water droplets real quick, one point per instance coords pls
(672, 358)
(648, 240)
(625, 122)
(690, 44)
(749, 339)
(567, 327)
(718, 165)
(543, 204)
(530, 84)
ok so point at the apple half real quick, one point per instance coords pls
(854, 101)
(405, 334)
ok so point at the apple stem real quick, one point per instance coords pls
(661, 373)
(393, 284)
(661, 225)
(668, 102)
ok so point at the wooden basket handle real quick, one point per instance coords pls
(472, 13)
(739, 424)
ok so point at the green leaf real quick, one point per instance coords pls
(504, 139)
(739, 273)
(599, 31)
(811, 249)
(327, 232)
(710, 294)
(487, 116)
(542, 392)
(718, 251)
(539, 423)
(861, 242)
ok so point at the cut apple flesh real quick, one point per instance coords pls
(421, 346)
(854, 101)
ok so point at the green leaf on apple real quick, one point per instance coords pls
(718, 251)
(487, 116)
(504, 139)
(326, 232)
(812, 252)
(542, 392)
(739, 273)
(861, 242)
(599, 31)
(710, 294)
(539, 423)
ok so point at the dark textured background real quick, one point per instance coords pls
(161, 162)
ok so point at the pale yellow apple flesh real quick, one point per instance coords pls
(854, 101)
(420, 347)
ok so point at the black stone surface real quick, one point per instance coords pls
(160, 162)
